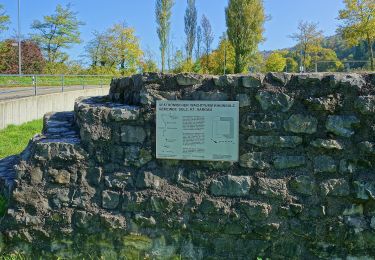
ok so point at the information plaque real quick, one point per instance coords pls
(197, 130)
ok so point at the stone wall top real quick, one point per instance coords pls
(144, 89)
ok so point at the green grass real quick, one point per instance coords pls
(27, 81)
(14, 139)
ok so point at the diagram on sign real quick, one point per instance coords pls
(168, 128)
(223, 130)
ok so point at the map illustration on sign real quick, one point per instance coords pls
(223, 129)
(197, 130)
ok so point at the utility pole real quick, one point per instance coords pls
(19, 42)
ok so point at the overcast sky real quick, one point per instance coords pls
(101, 14)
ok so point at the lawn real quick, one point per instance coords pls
(58, 80)
(14, 139)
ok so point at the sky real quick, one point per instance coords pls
(140, 14)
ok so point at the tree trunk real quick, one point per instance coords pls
(237, 68)
(122, 66)
(371, 54)
(207, 62)
(162, 59)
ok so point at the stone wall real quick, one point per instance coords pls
(304, 187)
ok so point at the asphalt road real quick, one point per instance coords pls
(7, 93)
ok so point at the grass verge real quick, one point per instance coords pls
(14, 139)
(27, 81)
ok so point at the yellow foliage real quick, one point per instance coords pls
(275, 63)
(126, 48)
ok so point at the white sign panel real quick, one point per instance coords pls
(197, 130)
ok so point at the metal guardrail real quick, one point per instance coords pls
(33, 84)
(349, 65)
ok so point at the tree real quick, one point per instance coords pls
(100, 50)
(309, 39)
(199, 43)
(332, 63)
(222, 57)
(4, 19)
(126, 48)
(344, 52)
(56, 32)
(32, 58)
(359, 24)
(93, 48)
(208, 38)
(245, 20)
(177, 61)
(163, 12)
(275, 62)
(190, 27)
(291, 65)
(148, 63)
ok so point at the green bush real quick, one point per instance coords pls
(3, 205)
(13, 256)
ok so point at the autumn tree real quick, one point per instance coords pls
(291, 65)
(32, 58)
(178, 62)
(223, 58)
(4, 19)
(100, 51)
(329, 61)
(148, 63)
(93, 48)
(359, 24)
(275, 62)
(163, 13)
(208, 38)
(309, 39)
(190, 27)
(126, 48)
(57, 32)
(245, 20)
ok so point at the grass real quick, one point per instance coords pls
(27, 81)
(14, 139)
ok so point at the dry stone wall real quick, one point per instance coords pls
(304, 187)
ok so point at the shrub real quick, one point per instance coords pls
(3, 205)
